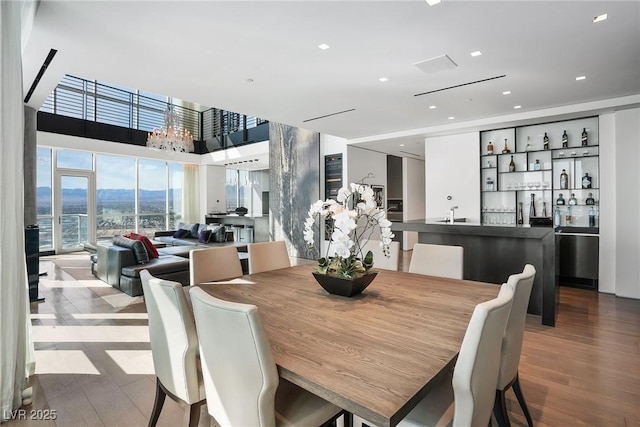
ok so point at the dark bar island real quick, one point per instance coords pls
(493, 253)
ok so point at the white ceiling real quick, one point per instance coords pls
(206, 51)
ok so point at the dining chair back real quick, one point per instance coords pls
(476, 370)
(379, 259)
(174, 346)
(240, 375)
(214, 264)
(437, 260)
(474, 375)
(522, 284)
(266, 256)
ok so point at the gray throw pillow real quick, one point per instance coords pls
(191, 228)
(218, 234)
(139, 251)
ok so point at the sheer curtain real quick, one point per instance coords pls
(191, 194)
(16, 349)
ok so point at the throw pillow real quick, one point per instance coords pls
(181, 232)
(204, 236)
(218, 234)
(151, 249)
(191, 228)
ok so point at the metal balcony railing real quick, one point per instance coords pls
(89, 100)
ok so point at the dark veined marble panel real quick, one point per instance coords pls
(294, 183)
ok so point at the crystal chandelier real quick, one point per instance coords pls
(171, 137)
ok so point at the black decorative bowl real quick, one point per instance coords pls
(343, 286)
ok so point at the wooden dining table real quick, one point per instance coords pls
(376, 354)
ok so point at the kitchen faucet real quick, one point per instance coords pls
(452, 214)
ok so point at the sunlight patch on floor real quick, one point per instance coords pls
(115, 316)
(73, 284)
(43, 316)
(133, 362)
(121, 300)
(90, 334)
(64, 362)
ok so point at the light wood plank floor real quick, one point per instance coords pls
(94, 361)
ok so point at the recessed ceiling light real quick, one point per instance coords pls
(581, 77)
(476, 53)
(600, 18)
(432, 107)
(432, 2)
(517, 107)
(383, 79)
(506, 92)
(401, 145)
(451, 118)
(323, 46)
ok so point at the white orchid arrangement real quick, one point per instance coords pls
(355, 215)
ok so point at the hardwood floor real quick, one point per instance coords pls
(94, 363)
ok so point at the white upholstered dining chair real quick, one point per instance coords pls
(437, 260)
(213, 265)
(522, 284)
(266, 256)
(240, 376)
(381, 261)
(467, 395)
(174, 346)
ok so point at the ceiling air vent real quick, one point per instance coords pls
(434, 65)
(460, 85)
(329, 115)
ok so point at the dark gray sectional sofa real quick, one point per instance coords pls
(120, 264)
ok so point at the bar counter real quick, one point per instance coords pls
(493, 253)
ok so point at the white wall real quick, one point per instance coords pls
(361, 162)
(627, 203)
(452, 168)
(212, 189)
(607, 202)
(413, 196)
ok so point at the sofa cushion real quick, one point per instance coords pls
(158, 266)
(139, 251)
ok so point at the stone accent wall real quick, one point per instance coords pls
(294, 183)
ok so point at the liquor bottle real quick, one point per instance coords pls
(529, 147)
(590, 200)
(583, 138)
(520, 214)
(592, 217)
(544, 209)
(564, 180)
(573, 201)
(490, 148)
(568, 217)
(586, 181)
(560, 201)
(556, 217)
(545, 142)
(532, 207)
(489, 185)
(512, 165)
(537, 166)
(505, 150)
(565, 140)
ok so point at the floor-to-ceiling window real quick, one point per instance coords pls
(115, 195)
(128, 193)
(44, 198)
(152, 196)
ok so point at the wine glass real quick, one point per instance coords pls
(537, 185)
